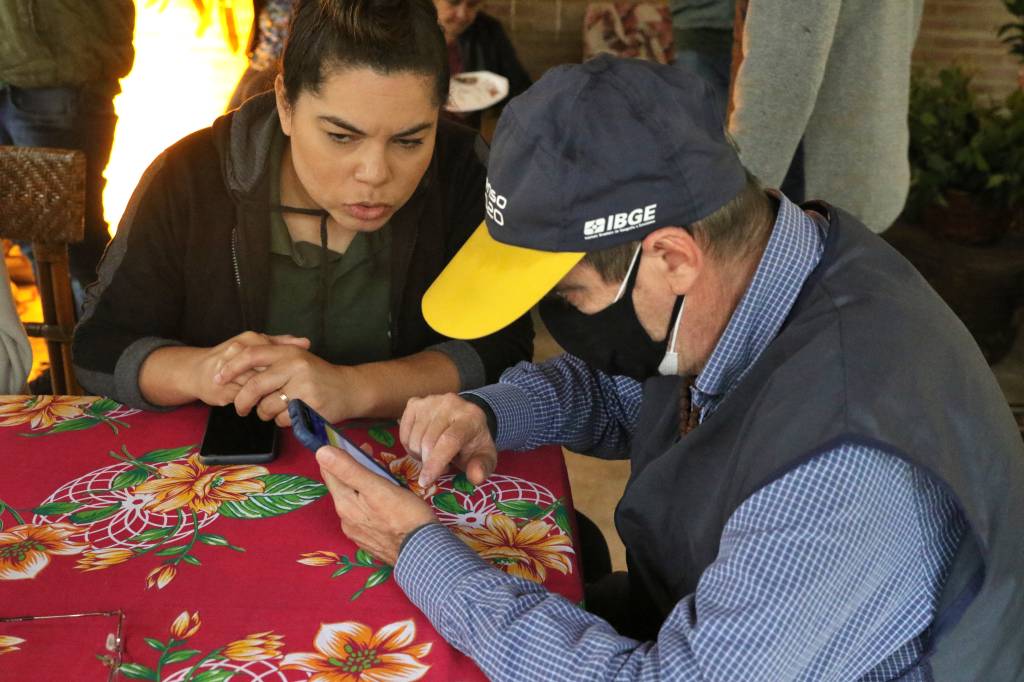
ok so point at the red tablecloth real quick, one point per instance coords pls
(228, 572)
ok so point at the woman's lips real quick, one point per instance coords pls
(367, 212)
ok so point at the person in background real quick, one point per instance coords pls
(269, 34)
(478, 42)
(59, 68)
(703, 32)
(283, 252)
(15, 351)
(825, 477)
(836, 76)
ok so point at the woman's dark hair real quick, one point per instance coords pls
(388, 36)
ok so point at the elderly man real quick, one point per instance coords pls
(825, 478)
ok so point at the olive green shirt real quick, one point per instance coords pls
(357, 328)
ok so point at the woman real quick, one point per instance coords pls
(282, 253)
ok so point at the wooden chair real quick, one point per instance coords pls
(42, 200)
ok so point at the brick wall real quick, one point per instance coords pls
(549, 32)
(964, 32)
(545, 32)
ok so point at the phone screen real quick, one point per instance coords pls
(238, 439)
(313, 431)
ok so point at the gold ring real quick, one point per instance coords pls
(284, 398)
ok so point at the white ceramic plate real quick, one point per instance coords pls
(475, 90)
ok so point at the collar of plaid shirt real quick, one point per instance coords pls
(793, 251)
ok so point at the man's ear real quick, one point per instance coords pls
(678, 255)
(284, 108)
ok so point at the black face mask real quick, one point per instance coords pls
(611, 340)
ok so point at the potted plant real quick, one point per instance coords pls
(966, 156)
(1012, 34)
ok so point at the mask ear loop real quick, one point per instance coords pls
(670, 363)
(629, 273)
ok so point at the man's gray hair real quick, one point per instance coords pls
(734, 231)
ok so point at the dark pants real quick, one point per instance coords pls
(624, 605)
(609, 594)
(708, 53)
(68, 118)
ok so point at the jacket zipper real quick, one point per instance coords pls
(238, 276)
(234, 258)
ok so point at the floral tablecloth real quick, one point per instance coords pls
(131, 555)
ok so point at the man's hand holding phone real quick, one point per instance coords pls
(374, 514)
(313, 431)
(441, 429)
(375, 508)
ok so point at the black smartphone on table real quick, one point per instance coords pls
(314, 432)
(231, 439)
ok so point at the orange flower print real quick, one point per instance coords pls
(9, 644)
(98, 559)
(193, 484)
(353, 652)
(525, 552)
(320, 558)
(407, 470)
(41, 411)
(25, 550)
(256, 647)
(185, 625)
(160, 576)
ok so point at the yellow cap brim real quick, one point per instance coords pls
(488, 285)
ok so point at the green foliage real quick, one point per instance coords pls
(961, 141)
(1012, 33)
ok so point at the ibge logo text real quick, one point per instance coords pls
(619, 222)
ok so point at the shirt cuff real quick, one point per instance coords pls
(466, 360)
(492, 420)
(430, 566)
(513, 412)
(125, 385)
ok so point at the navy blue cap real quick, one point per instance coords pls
(590, 157)
(603, 153)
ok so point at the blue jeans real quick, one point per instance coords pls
(68, 118)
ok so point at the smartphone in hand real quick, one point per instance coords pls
(314, 432)
(231, 439)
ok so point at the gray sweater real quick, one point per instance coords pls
(15, 352)
(835, 73)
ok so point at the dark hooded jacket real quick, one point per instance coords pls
(191, 259)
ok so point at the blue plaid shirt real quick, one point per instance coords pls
(831, 572)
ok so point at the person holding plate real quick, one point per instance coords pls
(477, 42)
